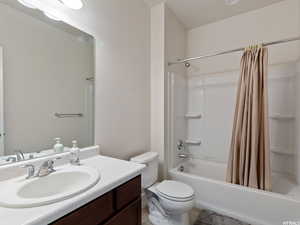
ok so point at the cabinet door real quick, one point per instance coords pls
(93, 213)
(127, 192)
(131, 215)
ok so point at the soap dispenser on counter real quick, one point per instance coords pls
(75, 160)
(58, 147)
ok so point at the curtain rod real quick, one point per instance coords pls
(231, 51)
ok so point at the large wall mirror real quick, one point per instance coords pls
(46, 84)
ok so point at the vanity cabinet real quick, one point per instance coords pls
(130, 215)
(121, 206)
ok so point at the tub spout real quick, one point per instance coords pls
(183, 156)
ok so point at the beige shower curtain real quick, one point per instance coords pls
(249, 160)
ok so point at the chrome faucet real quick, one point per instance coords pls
(20, 155)
(183, 156)
(30, 170)
(46, 168)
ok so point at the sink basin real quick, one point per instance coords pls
(65, 183)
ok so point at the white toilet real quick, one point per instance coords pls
(169, 201)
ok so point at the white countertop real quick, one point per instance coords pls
(113, 172)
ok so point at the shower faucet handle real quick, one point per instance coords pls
(180, 145)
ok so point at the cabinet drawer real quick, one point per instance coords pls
(131, 215)
(93, 213)
(127, 192)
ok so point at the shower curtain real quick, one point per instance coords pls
(249, 159)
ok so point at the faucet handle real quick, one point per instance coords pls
(47, 167)
(20, 155)
(51, 162)
(180, 145)
(30, 170)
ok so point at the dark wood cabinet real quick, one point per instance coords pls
(130, 215)
(121, 206)
(127, 193)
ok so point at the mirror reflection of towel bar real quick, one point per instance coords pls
(62, 115)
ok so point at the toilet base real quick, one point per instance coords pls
(179, 219)
(163, 211)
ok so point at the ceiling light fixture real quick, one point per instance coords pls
(231, 2)
(28, 3)
(48, 11)
(72, 4)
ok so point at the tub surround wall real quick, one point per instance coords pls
(214, 97)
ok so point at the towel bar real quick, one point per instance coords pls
(65, 115)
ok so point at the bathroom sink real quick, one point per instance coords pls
(65, 183)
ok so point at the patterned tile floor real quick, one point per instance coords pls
(203, 217)
(145, 220)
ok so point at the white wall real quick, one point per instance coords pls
(158, 82)
(271, 23)
(122, 105)
(44, 72)
(1, 103)
(297, 127)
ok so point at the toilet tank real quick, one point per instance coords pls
(150, 173)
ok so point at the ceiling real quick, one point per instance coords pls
(39, 15)
(194, 13)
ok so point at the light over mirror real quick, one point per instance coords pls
(46, 84)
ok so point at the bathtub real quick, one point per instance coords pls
(250, 205)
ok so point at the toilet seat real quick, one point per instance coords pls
(175, 199)
(175, 191)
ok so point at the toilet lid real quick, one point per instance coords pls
(175, 189)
